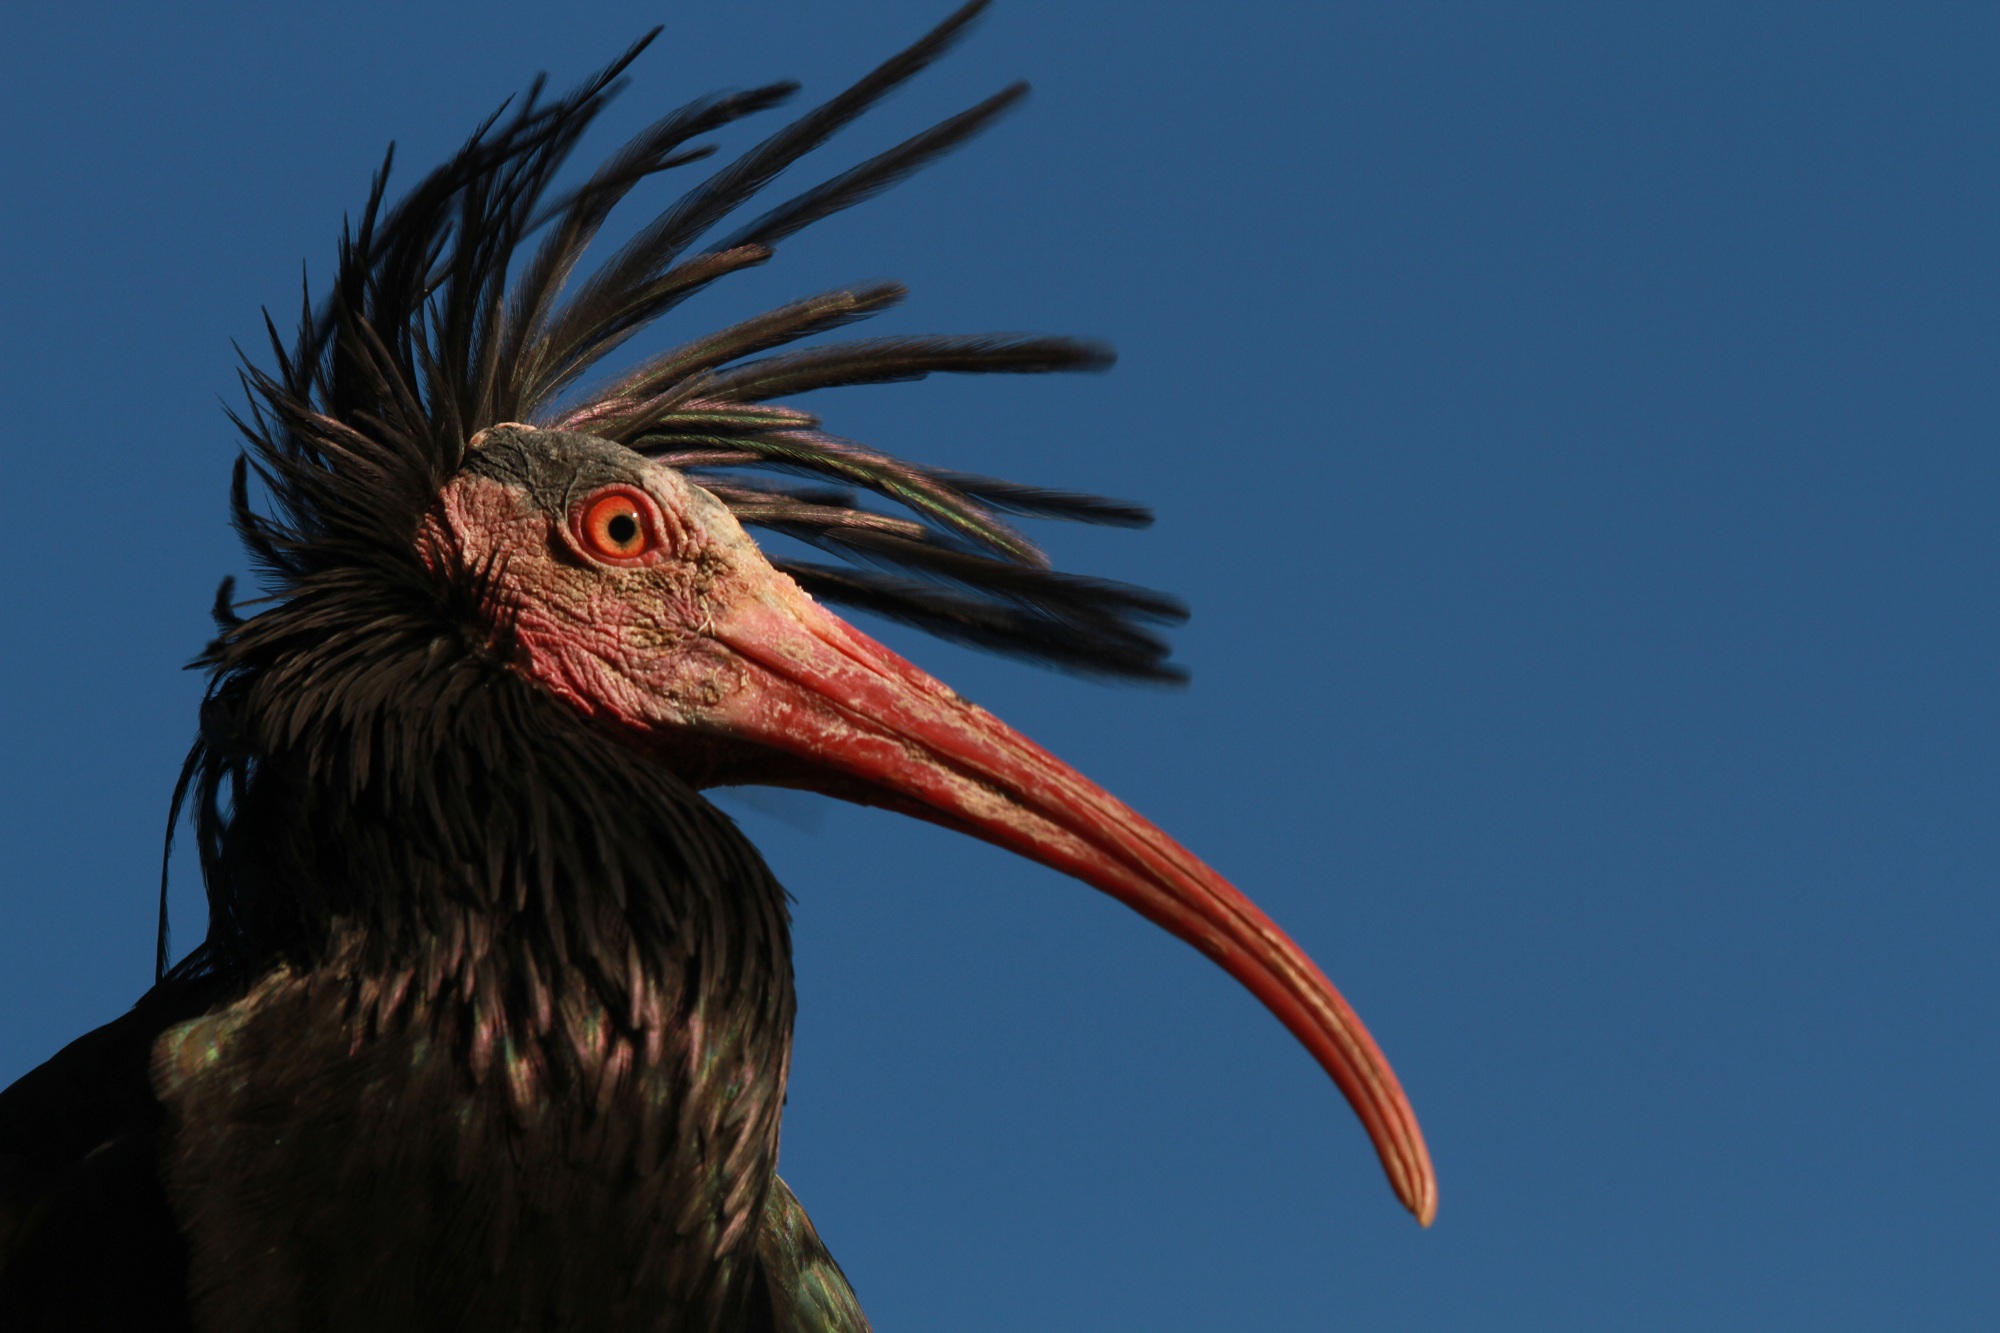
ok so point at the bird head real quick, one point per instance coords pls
(636, 596)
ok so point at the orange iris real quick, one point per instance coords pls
(615, 527)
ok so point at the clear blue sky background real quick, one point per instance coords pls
(1574, 427)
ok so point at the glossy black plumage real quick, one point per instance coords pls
(491, 1022)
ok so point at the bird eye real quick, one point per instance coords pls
(614, 526)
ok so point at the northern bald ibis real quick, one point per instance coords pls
(491, 1023)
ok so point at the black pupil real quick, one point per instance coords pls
(622, 529)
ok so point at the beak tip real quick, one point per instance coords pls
(1415, 1185)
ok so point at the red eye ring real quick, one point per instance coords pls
(617, 525)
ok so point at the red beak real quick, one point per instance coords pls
(818, 690)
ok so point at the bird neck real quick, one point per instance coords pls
(502, 850)
(502, 942)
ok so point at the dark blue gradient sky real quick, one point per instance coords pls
(1574, 428)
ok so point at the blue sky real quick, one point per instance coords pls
(1574, 428)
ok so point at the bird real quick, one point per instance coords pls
(491, 1022)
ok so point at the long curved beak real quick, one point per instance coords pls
(818, 690)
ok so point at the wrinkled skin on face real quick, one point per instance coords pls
(623, 639)
(686, 641)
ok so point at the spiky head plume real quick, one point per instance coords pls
(459, 307)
